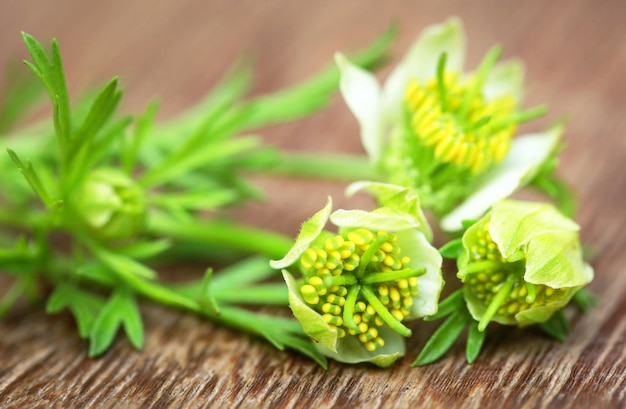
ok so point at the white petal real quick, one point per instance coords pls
(506, 78)
(421, 62)
(383, 218)
(526, 154)
(361, 91)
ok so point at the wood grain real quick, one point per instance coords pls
(575, 53)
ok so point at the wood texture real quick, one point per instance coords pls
(575, 53)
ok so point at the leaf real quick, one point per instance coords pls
(121, 265)
(50, 71)
(452, 249)
(145, 249)
(585, 300)
(143, 125)
(453, 303)
(441, 341)
(29, 173)
(475, 339)
(84, 306)
(121, 309)
(557, 326)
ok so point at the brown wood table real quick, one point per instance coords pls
(575, 53)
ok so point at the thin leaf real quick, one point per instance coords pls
(441, 341)
(475, 340)
(453, 303)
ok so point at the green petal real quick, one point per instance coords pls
(423, 255)
(312, 323)
(421, 59)
(361, 91)
(400, 198)
(555, 259)
(515, 223)
(525, 158)
(350, 350)
(309, 231)
(542, 314)
(383, 218)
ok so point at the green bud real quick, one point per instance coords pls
(109, 204)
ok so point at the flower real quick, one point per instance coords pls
(447, 134)
(359, 285)
(521, 263)
(108, 204)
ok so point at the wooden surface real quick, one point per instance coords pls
(575, 53)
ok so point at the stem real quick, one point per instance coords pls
(249, 239)
(496, 302)
(384, 313)
(323, 165)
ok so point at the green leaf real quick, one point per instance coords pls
(206, 299)
(145, 249)
(475, 340)
(83, 305)
(441, 341)
(452, 249)
(557, 326)
(143, 126)
(585, 300)
(453, 303)
(50, 71)
(120, 309)
(122, 265)
(31, 176)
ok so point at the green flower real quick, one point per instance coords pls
(108, 204)
(446, 133)
(360, 284)
(521, 263)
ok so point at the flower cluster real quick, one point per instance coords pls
(446, 141)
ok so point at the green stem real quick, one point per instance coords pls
(208, 232)
(323, 165)
(441, 81)
(532, 293)
(384, 313)
(368, 254)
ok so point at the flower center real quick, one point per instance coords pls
(499, 284)
(359, 282)
(458, 123)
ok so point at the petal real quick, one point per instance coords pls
(309, 231)
(423, 255)
(421, 59)
(555, 259)
(506, 78)
(361, 91)
(350, 350)
(400, 198)
(516, 223)
(383, 218)
(313, 324)
(524, 159)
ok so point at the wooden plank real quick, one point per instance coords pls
(575, 55)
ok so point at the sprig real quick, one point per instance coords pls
(125, 197)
